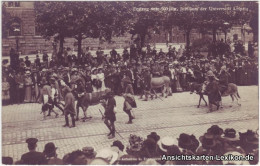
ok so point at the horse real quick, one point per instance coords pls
(160, 82)
(90, 99)
(196, 87)
(231, 91)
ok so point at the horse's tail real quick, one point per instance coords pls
(238, 95)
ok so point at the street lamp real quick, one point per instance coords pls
(245, 28)
(225, 28)
(16, 31)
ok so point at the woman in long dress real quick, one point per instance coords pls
(177, 78)
(36, 90)
(5, 91)
(28, 87)
(101, 77)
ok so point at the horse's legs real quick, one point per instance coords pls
(154, 93)
(166, 91)
(232, 98)
(77, 109)
(237, 100)
(199, 101)
(163, 90)
(204, 100)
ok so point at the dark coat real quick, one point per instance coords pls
(69, 103)
(109, 110)
(213, 92)
(34, 158)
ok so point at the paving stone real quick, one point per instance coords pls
(168, 117)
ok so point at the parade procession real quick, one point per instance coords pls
(130, 83)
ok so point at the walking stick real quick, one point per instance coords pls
(103, 117)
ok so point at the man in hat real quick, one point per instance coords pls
(51, 155)
(110, 116)
(113, 55)
(129, 103)
(27, 61)
(69, 108)
(214, 96)
(79, 92)
(125, 54)
(37, 61)
(33, 157)
(19, 79)
(223, 80)
(55, 94)
(127, 84)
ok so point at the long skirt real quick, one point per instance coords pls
(28, 94)
(178, 86)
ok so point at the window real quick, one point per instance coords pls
(13, 4)
(15, 28)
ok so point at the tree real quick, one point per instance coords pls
(52, 21)
(185, 20)
(145, 22)
(82, 20)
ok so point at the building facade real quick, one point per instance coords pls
(27, 40)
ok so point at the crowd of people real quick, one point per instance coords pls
(153, 150)
(23, 80)
(129, 74)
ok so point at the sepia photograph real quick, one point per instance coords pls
(130, 82)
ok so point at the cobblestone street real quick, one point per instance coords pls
(166, 116)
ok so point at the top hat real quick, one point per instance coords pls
(154, 136)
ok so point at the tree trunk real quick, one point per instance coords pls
(61, 44)
(214, 32)
(188, 40)
(61, 47)
(79, 45)
(142, 40)
(225, 36)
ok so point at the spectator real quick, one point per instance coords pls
(89, 153)
(51, 155)
(33, 157)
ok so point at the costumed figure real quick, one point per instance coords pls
(101, 78)
(28, 87)
(110, 117)
(214, 96)
(129, 103)
(69, 108)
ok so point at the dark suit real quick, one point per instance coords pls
(33, 158)
(110, 116)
